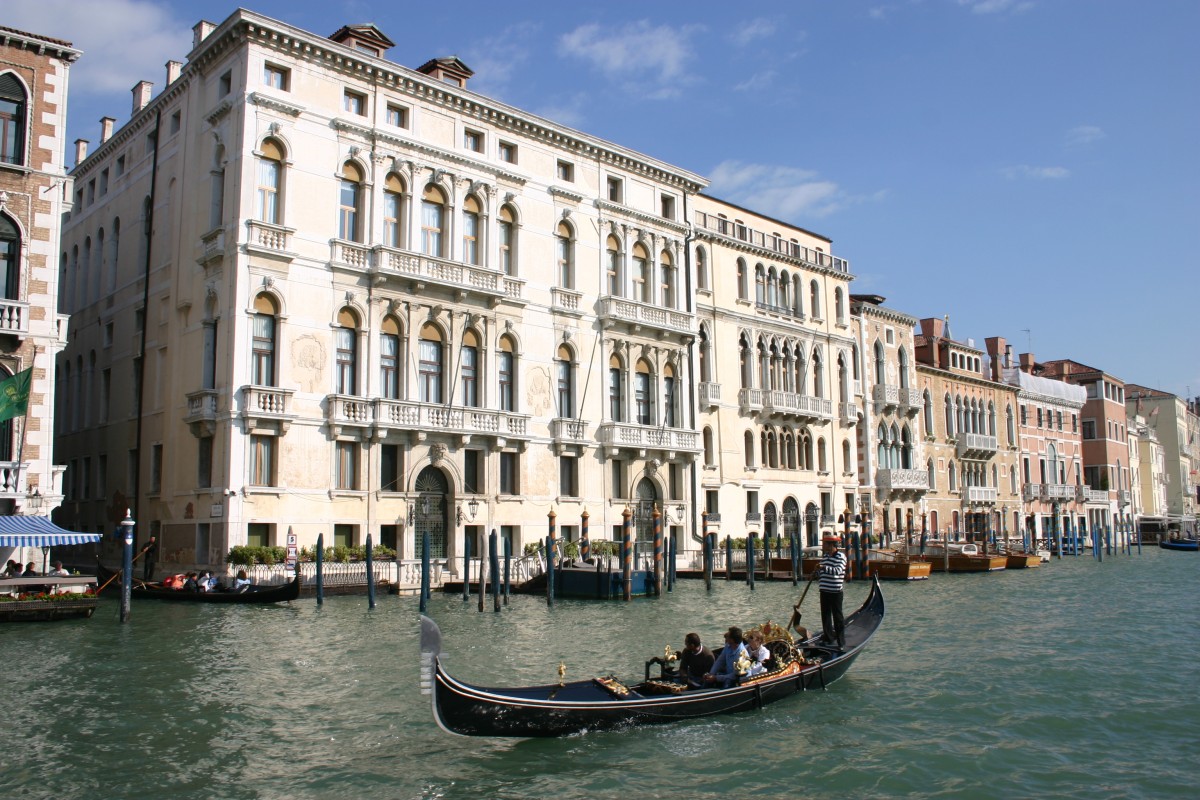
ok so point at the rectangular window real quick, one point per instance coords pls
(472, 460)
(431, 228)
(275, 77)
(711, 504)
(388, 536)
(389, 366)
(568, 475)
(566, 395)
(354, 103)
(103, 182)
(225, 84)
(262, 460)
(674, 482)
(669, 402)
(348, 211)
(156, 453)
(618, 477)
(102, 476)
(1089, 429)
(258, 534)
(176, 118)
(615, 395)
(430, 367)
(641, 398)
(508, 152)
(343, 536)
(105, 393)
(397, 116)
(507, 394)
(473, 140)
(1058, 414)
(347, 465)
(668, 207)
(751, 502)
(389, 468)
(566, 171)
(267, 209)
(346, 379)
(204, 462)
(1039, 417)
(86, 475)
(510, 473)
(469, 376)
(263, 350)
(391, 219)
(120, 168)
(615, 190)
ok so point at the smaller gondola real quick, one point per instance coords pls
(1187, 545)
(250, 595)
(605, 703)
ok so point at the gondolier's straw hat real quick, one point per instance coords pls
(833, 539)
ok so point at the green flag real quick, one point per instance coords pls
(14, 395)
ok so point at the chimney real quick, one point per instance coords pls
(1008, 356)
(174, 68)
(1027, 362)
(106, 128)
(932, 328)
(995, 347)
(200, 32)
(80, 151)
(141, 95)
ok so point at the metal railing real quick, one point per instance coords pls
(405, 572)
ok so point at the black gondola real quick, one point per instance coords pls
(605, 703)
(279, 593)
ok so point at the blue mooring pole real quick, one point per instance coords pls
(793, 544)
(126, 565)
(728, 557)
(466, 568)
(494, 559)
(370, 574)
(670, 563)
(319, 570)
(507, 568)
(751, 544)
(425, 581)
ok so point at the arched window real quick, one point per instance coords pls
(743, 288)
(928, 416)
(701, 269)
(263, 347)
(932, 475)
(814, 297)
(566, 382)
(433, 220)
(822, 461)
(469, 369)
(641, 275)
(389, 359)
(846, 456)
(670, 398)
(12, 119)
(760, 285)
(748, 449)
(393, 211)
(772, 288)
(702, 355)
(949, 416)
(951, 477)
(880, 364)
(667, 269)
(10, 258)
(429, 364)
(114, 245)
(991, 418)
(616, 390)
(707, 438)
(508, 240)
(643, 393)
(507, 375)
(746, 359)
(818, 376)
(806, 451)
(470, 230)
(906, 448)
(346, 342)
(903, 363)
(85, 270)
(350, 209)
(839, 305)
(882, 447)
(269, 193)
(612, 254)
(566, 256)
(6, 427)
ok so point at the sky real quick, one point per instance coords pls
(1028, 167)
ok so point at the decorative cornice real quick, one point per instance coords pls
(712, 237)
(972, 379)
(218, 112)
(617, 209)
(565, 194)
(883, 312)
(275, 104)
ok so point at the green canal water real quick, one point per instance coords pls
(1076, 679)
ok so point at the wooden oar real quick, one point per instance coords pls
(118, 572)
(795, 621)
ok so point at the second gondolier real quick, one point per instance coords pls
(832, 572)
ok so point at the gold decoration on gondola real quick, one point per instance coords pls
(669, 657)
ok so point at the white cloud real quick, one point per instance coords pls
(747, 32)
(653, 55)
(759, 80)
(997, 6)
(1084, 135)
(495, 58)
(784, 192)
(123, 41)
(1035, 173)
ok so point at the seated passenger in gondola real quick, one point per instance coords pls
(241, 583)
(695, 660)
(760, 657)
(725, 671)
(190, 584)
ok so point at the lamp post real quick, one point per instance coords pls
(126, 564)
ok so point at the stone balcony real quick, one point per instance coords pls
(976, 446)
(267, 409)
(902, 480)
(1058, 492)
(566, 301)
(644, 439)
(646, 318)
(202, 412)
(710, 394)
(1031, 492)
(1085, 495)
(12, 480)
(212, 248)
(848, 413)
(1123, 498)
(982, 494)
(422, 419)
(569, 432)
(770, 402)
(266, 239)
(14, 318)
(901, 399)
(427, 271)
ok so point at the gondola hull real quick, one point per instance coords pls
(581, 706)
(251, 595)
(1187, 545)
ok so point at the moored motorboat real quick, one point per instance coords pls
(1186, 545)
(890, 565)
(604, 702)
(249, 595)
(1022, 560)
(962, 557)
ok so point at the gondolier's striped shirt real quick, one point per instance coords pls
(833, 572)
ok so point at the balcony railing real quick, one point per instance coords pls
(349, 254)
(269, 239)
(981, 494)
(202, 412)
(1058, 491)
(212, 246)
(645, 315)
(753, 517)
(776, 244)
(910, 400)
(412, 415)
(572, 430)
(12, 483)
(902, 480)
(648, 437)
(976, 445)
(14, 317)
(390, 261)
(710, 394)
(848, 412)
(903, 399)
(565, 300)
(1122, 497)
(1086, 495)
(347, 411)
(268, 404)
(788, 404)
(1031, 491)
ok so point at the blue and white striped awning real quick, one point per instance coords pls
(39, 532)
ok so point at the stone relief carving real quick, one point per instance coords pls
(537, 396)
(308, 362)
(437, 453)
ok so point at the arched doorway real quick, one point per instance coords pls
(433, 490)
(646, 498)
(791, 518)
(770, 522)
(811, 517)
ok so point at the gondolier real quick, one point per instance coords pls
(832, 572)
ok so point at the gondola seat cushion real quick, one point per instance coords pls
(613, 687)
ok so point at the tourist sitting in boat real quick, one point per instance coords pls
(190, 584)
(725, 671)
(695, 660)
(759, 655)
(241, 583)
(174, 581)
